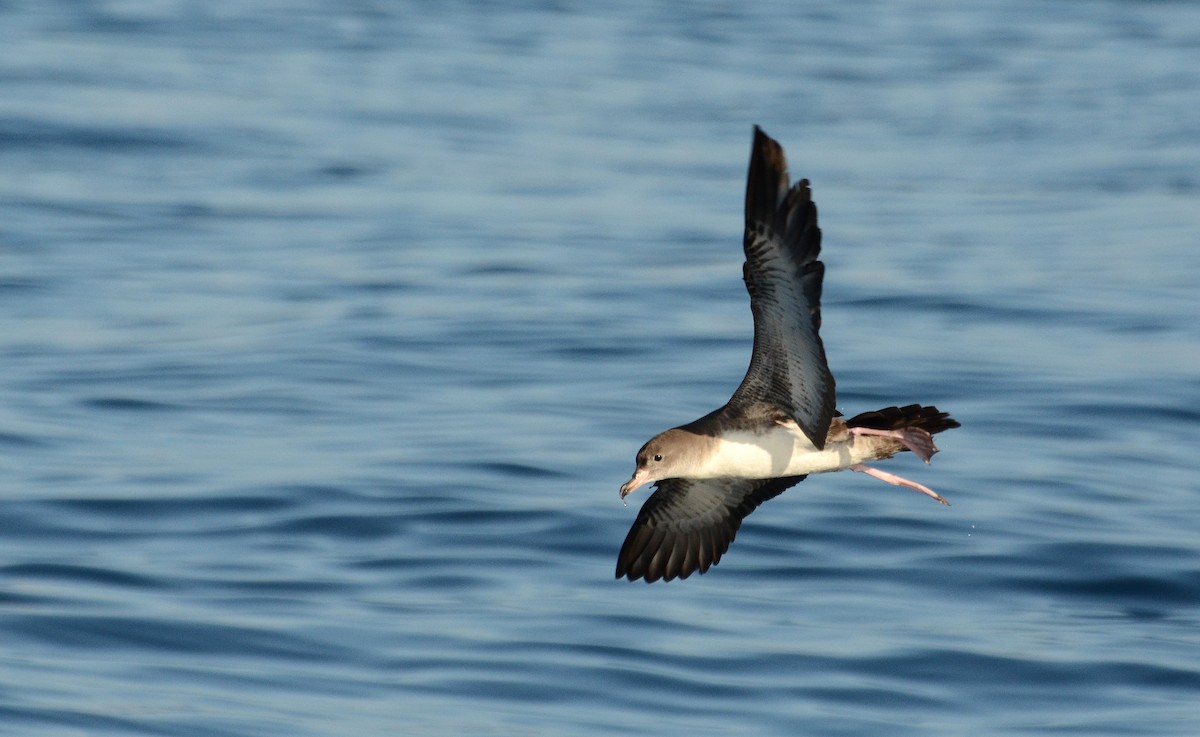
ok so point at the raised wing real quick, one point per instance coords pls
(788, 369)
(687, 525)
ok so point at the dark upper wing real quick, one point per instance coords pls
(687, 524)
(787, 368)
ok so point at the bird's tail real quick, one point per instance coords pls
(929, 419)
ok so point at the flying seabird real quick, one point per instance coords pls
(780, 425)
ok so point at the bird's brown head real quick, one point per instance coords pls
(667, 455)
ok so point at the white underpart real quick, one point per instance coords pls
(782, 451)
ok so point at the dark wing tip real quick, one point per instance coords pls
(687, 525)
(653, 553)
(786, 212)
(767, 183)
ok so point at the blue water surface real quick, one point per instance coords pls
(329, 330)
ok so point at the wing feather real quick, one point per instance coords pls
(687, 525)
(788, 369)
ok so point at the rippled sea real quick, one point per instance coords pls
(329, 330)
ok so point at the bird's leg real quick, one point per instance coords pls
(913, 438)
(895, 480)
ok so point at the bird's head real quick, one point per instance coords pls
(669, 454)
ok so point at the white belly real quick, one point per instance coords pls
(783, 451)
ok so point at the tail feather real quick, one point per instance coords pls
(929, 419)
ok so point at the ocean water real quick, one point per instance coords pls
(329, 330)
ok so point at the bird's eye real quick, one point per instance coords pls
(657, 457)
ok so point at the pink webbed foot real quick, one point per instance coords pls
(895, 480)
(913, 438)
